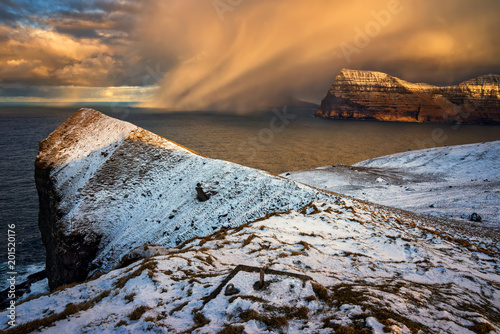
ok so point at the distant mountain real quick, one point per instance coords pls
(379, 96)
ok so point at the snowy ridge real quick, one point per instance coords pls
(373, 271)
(104, 134)
(132, 187)
(449, 182)
(369, 79)
(459, 161)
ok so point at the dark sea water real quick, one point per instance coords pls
(261, 140)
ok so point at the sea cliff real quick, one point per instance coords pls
(379, 96)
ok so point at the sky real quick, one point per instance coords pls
(234, 54)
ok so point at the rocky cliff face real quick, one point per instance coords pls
(375, 95)
(106, 186)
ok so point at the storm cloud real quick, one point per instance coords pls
(242, 54)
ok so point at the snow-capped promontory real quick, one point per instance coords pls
(107, 186)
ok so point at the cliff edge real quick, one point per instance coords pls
(379, 96)
(106, 186)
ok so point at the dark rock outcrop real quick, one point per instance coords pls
(379, 96)
(20, 289)
(200, 193)
(106, 187)
(475, 217)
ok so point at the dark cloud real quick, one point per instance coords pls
(21, 90)
(69, 43)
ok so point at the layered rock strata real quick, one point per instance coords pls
(379, 96)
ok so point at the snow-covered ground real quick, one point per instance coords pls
(371, 269)
(449, 182)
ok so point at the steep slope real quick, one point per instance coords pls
(375, 95)
(363, 269)
(107, 186)
(450, 182)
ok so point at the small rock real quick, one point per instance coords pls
(201, 195)
(475, 217)
(231, 290)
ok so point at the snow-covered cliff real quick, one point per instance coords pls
(107, 186)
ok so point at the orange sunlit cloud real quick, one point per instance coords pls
(244, 54)
(31, 54)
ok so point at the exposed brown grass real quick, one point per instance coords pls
(359, 327)
(230, 329)
(384, 316)
(296, 253)
(121, 323)
(321, 292)
(130, 297)
(306, 246)
(481, 328)
(31, 298)
(207, 260)
(248, 315)
(248, 240)
(267, 216)
(310, 298)
(311, 235)
(341, 294)
(66, 286)
(345, 294)
(138, 312)
(178, 308)
(147, 264)
(48, 321)
(200, 320)
(275, 321)
(272, 322)
(290, 312)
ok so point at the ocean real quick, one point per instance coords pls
(276, 140)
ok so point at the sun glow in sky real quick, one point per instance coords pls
(221, 54)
